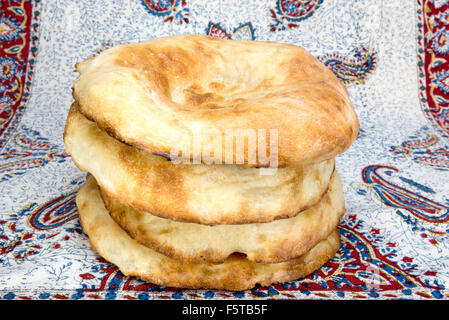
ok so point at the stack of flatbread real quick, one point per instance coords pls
(211, 162)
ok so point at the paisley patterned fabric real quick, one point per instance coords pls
(391, 55)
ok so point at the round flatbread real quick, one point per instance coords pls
(271, 242)
(236, 273)
(161, 94)
(206, 194)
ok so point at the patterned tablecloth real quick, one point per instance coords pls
(393, 57)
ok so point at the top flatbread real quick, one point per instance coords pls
(174, 93)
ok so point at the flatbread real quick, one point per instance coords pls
(207, 194)
(236, 273)
(155, 95)
(271, 242)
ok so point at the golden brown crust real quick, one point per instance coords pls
(236, 273)
(207, 194)
(153, 95)
(272, 242)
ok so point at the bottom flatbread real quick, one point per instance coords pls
(235, 273)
